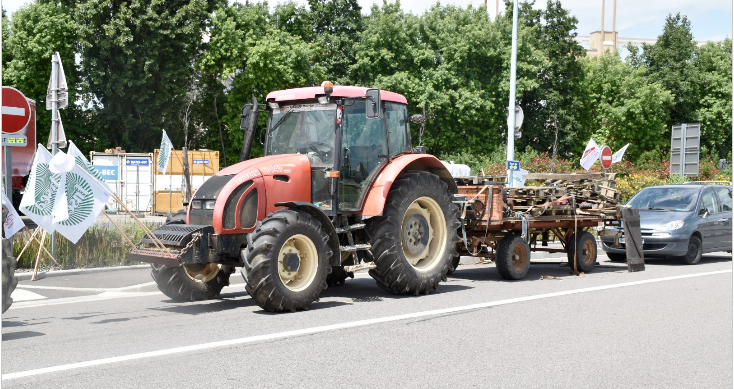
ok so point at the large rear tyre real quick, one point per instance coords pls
(286, 261)
(455, 262)
(200, 281)
(513, 257)
(415, 238)
(8, 270)
(585, 254)
(694, 252)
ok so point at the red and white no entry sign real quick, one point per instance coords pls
(606, 157)
(16, 112)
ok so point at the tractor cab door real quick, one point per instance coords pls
(367, 145)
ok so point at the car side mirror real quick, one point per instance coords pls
(373, 103)
(703, 212)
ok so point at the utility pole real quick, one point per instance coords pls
(54, 123)
(513, 91)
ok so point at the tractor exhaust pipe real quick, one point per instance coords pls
(248, 123)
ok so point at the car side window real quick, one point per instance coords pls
(708, 201)
(724, 198)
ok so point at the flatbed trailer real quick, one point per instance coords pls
(505, 225)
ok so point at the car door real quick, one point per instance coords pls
(708, 226)
(725, 216)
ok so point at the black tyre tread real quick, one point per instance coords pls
(503, 259)
(268, 291)
(455, 262)
(688, 260)
(616, 257)
(10, 281)
(583, 236)
(393, 272)
(176, 284)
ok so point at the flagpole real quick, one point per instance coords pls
(54, 126)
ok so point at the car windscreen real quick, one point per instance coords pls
(665, 199)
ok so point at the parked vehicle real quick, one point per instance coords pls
(683, 221)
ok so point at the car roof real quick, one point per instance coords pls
(686, 185)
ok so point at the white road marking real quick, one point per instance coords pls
(20, 295)
(335, 327)
(111, 295)
(64, 288)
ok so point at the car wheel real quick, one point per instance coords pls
(615, 257)
(694, 252)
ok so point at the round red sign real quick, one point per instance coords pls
(15, 110)
(606, 157)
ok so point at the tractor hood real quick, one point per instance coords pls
(239, 195)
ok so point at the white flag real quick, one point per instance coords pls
(617, 157)
(63, 95)
(13, 223)
(165, 154)
(42, 191)
(518, 178)
(84, 164)
(591, 154)
(60, 139)
(85, 197)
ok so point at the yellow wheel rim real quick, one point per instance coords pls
(424, 233)
(298, 262)
(202, 272)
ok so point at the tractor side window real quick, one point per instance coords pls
(365, 148)
(398, 127)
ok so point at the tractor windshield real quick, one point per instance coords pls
(306, 129)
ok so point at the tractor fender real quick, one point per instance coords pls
(377, 195)
(326, 224)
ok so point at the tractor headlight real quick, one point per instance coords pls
(196, 204)
(209, 204)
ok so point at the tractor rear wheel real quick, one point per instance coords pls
(455, 262)
(9, 279)
(286, 261)
(200, 281)
(416, 236)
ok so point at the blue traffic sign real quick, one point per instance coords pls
(513, 165)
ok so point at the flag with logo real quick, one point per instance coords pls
(12, 223)
(84, 164)
(85, 197)
(591, 154)
(164, 156)
(42, 192)
(617, 157)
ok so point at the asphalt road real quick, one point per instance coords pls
(669, 326)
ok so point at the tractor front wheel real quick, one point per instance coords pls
(416, 237)
(286, 261)
(195, 282)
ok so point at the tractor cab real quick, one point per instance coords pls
(348, 134)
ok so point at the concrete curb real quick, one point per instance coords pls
(58, 273)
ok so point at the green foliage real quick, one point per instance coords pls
(714, 62)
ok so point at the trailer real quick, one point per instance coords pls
(505, 225)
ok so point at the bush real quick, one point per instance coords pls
(630, 185)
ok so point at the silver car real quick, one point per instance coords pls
(682, 221)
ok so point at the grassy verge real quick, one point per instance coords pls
(102, 245)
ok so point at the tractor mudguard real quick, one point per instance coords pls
(377, 195)
(325, 223)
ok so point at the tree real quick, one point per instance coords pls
(670, 61)
(35, 33)
(626, 106)
(336, 25)
(714, 62)
(137, 58)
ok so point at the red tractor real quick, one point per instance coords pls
(340, 189)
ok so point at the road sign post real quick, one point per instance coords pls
(16, 114)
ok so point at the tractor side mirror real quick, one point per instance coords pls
(373, 103)
(346, 160)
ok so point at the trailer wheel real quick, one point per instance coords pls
(455, 261)
(196, 282)
(615, 257)
(286, 261)
(416, 236)
(9, 279)
(585, 254)
(513, 257)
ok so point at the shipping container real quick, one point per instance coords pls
(130, 175)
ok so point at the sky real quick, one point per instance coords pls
(710, 19)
